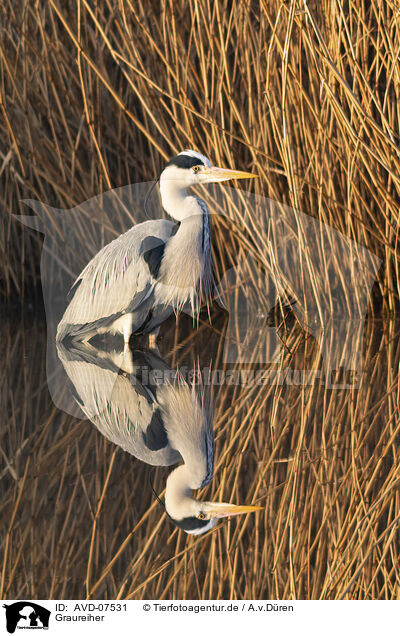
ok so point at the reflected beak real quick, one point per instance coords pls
(220, 510)
(213, 174)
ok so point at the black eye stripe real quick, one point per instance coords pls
(185, 161)
(191, 523)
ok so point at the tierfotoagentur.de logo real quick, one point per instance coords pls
(26, 615)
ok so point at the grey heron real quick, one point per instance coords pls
(160, 423)
(135, 282)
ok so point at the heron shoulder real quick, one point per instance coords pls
(155, 437)
(116, 256)
(152, 249)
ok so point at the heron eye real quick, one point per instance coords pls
(196, 168)
(201, 515)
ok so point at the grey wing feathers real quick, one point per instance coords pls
(122, 412)
(116, 280)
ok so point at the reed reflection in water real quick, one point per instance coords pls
(323, 461)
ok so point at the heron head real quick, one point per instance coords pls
(202, 516)
(191, 168)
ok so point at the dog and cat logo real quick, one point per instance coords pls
(26, 615)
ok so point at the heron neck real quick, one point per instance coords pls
(184, 479)
(178, 491)
(176, 201)
(173, 198)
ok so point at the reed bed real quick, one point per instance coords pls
(94, 96)
(79, 518)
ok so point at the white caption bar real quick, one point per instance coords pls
(22, 618)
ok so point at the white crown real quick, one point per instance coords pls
(196, 155)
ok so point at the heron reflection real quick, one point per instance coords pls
(136, 402)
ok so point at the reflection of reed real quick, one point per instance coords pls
(324, 462)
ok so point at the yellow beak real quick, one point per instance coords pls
(213, 174)
(220, 510)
